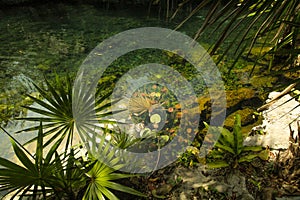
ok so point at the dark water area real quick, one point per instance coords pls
(56, 38)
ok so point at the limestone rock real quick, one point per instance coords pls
(202, 180)
(276, 123)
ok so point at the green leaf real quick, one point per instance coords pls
(39, 148)
(217, 164)
(226, 138)
(123, 188)
(107, 193)
(23, 158)
(206, 125)
(101, 177)
(10, 165)
(252, 148)
(116, 176)
(247, 158)
(238, 136)
(264, 155)
(225, 148)
(57, 111)
(52, 151)
(215, 154)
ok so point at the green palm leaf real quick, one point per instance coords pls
(33, 174)
(103, 172)
(56, 112)
(101, 177)
(274, 24)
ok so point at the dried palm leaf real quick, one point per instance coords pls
(139, 105)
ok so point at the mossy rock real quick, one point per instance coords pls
(3, 108)
(247, 118)
(235, 97)
(263, 82)
(235, 100)
(204, 102)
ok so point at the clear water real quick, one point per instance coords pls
(57, 38)
(49, 39)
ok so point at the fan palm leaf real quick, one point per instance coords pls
(106, 161)
(53, 176)
(34, 176)
(101, 180)
(55, 111)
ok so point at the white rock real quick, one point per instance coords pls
(276, 123)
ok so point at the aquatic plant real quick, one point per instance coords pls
(140, 104)
(157, 113)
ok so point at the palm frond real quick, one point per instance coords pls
(56, 112)
(274, 23)
(101, 180)
(33, 177)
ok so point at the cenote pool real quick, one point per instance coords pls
(157, 124)
(45, 40)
